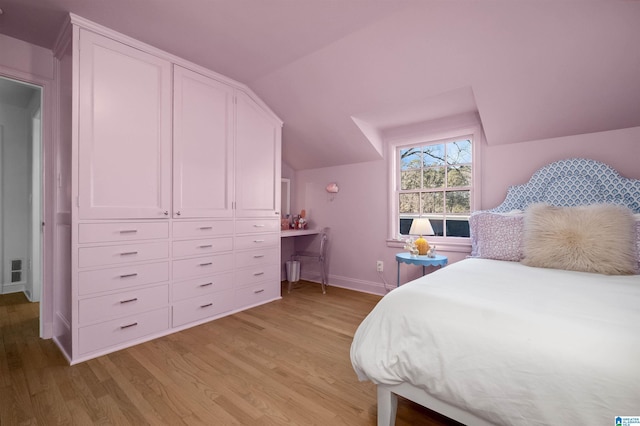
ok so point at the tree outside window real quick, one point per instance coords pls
(436, 182)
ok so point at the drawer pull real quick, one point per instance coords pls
(258, 291)
(258, 226)
(128, 253)
(206, 246)
(205, 285)
(258, 256)
(258, 241)
(128, 231)
(258, 274)
(206, 264)
(129, 300)
(122, 327)
(204, 228)
(129, 275)
(207, 305)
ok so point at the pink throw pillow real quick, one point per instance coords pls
(497, 236)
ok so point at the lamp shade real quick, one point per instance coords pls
(421, 226)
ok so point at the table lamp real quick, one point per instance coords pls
(421, 226)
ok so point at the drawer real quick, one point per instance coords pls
(257, 294)
(202, 307)
(121, 231)
(118, 331)
(122, 277)
(122, 304)
(113, 255)
(200, 286)
(256, 241)
(201, 247)
(256, 274)
(202, 228)
(262, 256)
(201, 266)
(256, 226)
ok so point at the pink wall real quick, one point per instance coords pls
(513, 164)
(358, 214)
(24, 57)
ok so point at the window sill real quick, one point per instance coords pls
(446, 246)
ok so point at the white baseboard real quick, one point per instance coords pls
(363, 286)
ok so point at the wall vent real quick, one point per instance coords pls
(16, 270)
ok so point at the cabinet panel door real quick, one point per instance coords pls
(257, 160)
(124, 131)
(203, 146)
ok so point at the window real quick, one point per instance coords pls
(434, 179)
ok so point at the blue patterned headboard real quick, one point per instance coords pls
(573, 182)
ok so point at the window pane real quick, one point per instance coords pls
(458, 202)
(459, 176)
(459, 152)
(432, 202)
(434, 177)
(410, 158)
(405, 225)
(433, 155)
(437, 225)
(458, 228)
(409, 203)
(410, 179)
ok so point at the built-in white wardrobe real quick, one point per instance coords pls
(168, 194)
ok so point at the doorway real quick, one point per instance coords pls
(21, 188)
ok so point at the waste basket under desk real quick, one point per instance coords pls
(294, 233)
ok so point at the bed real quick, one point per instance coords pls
(533, 328)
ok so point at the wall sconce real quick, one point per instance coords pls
(332, 189)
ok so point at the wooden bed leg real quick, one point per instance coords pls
(387, 407)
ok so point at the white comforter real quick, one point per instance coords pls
(512, 344)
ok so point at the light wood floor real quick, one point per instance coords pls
(284, 363)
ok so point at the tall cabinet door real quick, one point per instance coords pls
(124, 131)
(258, 160)
(202, 146)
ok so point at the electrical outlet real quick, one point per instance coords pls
(380, 265)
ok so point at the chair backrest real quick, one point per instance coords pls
(324, 242)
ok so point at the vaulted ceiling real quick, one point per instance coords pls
(342, 73)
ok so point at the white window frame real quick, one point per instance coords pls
(462, 127)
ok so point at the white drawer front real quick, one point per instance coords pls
(256, 226)
(257, 241)
(113, 255)
(201, 247)
(257, 294)
(262, 256)
(114, 332)
(200, 286)
(202, 307)
(203, 228)
(201, 266)
(122, 277)
(122, 231)
(122, 304)
(256, 274)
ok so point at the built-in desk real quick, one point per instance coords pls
(298, 232)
